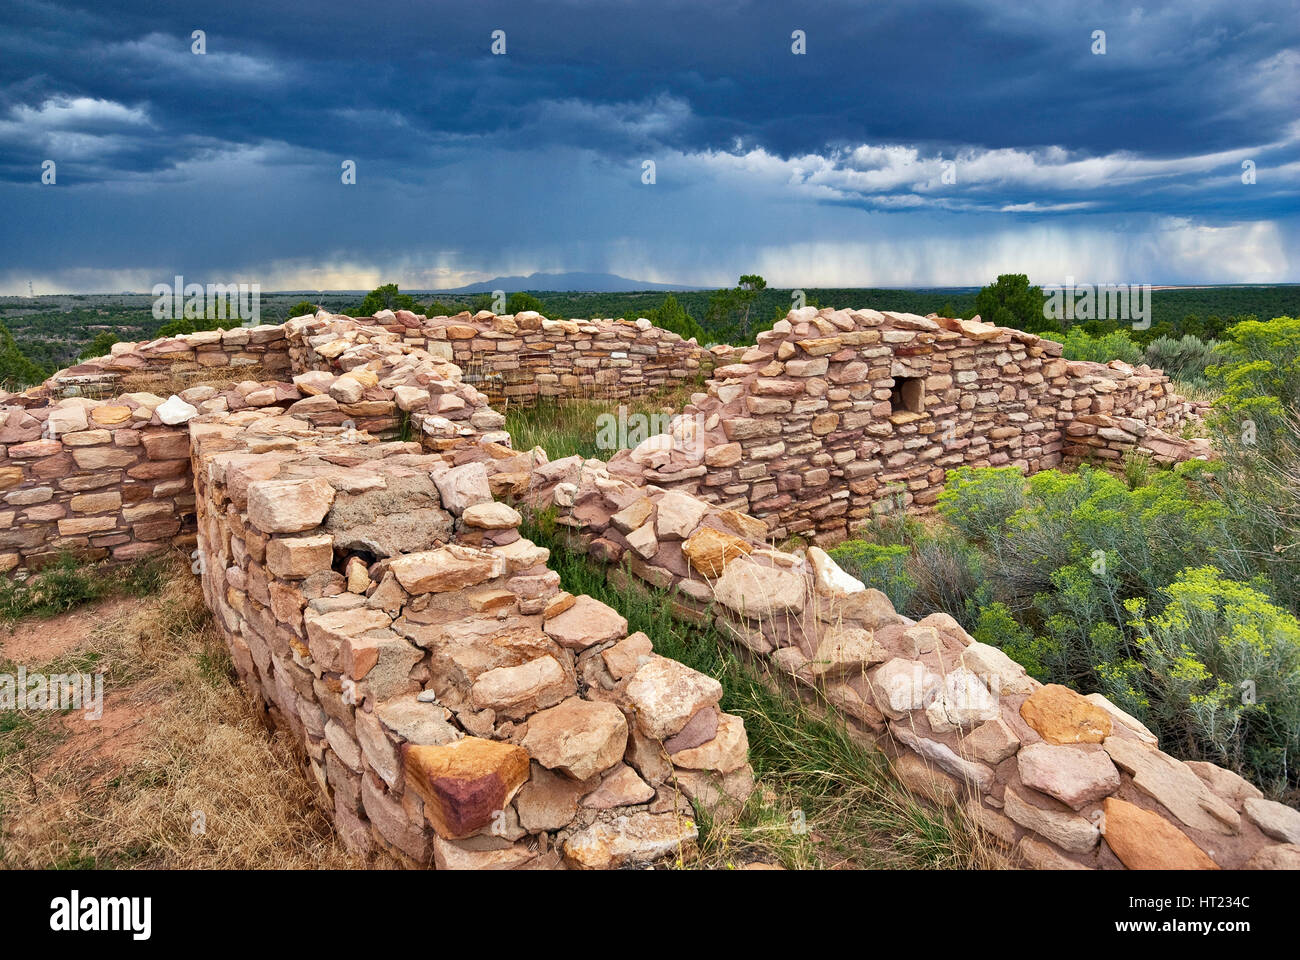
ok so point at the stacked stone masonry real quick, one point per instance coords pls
(519, 358)
(1055, 779)
(103, 472)
(836, 415)
(457, 708)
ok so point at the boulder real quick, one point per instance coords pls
(999, 672)
(620, 787)
(844, 651)
(175, 411)
(548, 801)
(445, 569)
(1171, 783)
(463, 486)
(962, 702)
(625, 657)
(678, 514)
(760, 592)
(1069, 831)
(1074, 775)
(901, 686)
(991, 742)
(637, 838)
(586, 622)
(491, 516)
(1281, 856)
(1060, 715)
(727, 751)
(709, 550)
(1277, 820)
(831, 581)
(515, 692)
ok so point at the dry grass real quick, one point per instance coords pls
(169, 381)
(178, 740)
(564, 427)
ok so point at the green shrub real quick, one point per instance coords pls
(1078, 345)
(1184, 359)
(949, 576)
(1221, 672)
(997, 627)
(979, 501)
(176, 328)
(1260, 382)
(64, 584)
(1256, 429)
(879, 566)
(69, 582)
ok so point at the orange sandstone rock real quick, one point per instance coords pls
(1062, 716)
(1146, 841)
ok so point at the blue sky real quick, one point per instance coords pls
(826, 168)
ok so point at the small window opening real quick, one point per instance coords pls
(908, 395)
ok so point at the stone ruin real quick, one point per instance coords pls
(837, 414)
(353, 518)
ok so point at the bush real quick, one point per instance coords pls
(62, 585)
(1183, 358)
(385, 297)
(1118, 345)
(979, 501)
(1257, 431)
(1221, 676)
(101, 346)
(176, 328)
(1260, 380)
(877, 566)
(519, 302)
(949, 576)
(998, 628)
(1064, 551)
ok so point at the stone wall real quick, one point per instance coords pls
(455, 705)
(835, 414)
(262, 348)
(110, 478)
(518, 358)
(1057, 780)
(457, 708)
(98, 479)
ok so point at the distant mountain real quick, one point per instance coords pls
(585, 282)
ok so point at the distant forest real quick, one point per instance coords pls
(44, 334)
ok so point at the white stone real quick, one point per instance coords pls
(176, 411)
(832, 581)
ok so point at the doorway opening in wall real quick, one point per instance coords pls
(908, 395)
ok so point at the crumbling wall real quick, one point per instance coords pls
(1057, 780)
(99, 479)
(836, 414)
(456, 706)
(262, 348)
(521, 357)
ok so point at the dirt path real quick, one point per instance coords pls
(177, 771)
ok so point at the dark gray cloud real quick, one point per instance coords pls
(905, 122)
